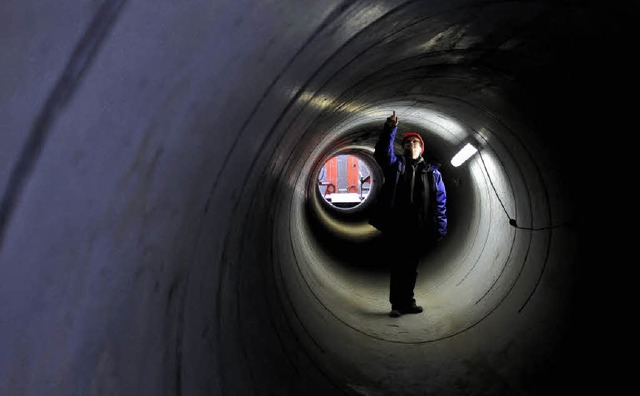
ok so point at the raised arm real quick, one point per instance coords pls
(384, 153)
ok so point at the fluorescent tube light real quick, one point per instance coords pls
(464, 154)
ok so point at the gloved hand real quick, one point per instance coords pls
(392, 121)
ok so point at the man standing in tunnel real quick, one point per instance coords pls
(410, 211)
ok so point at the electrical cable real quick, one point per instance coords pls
(512, 221)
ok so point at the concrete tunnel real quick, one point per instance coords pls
(161, 229)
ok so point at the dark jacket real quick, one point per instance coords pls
(430, 211)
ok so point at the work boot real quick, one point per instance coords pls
(413, 309)
(406, 309)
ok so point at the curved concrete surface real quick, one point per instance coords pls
(161, 231)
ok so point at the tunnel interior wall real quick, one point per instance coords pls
(154, 172)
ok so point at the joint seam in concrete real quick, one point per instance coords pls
(81, 59)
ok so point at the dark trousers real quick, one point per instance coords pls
(404, 255)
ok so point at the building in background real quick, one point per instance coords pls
(344, 181)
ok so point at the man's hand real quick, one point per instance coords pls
(393, 120)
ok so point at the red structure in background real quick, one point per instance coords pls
(331, 167)
(352, 174)
(331, 178)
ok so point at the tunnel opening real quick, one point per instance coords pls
(344, 180)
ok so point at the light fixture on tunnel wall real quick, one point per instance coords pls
(464, 154)
(344, 181)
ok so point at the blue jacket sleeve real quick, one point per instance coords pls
(384, 153)
(440, 205)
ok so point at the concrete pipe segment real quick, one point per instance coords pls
(162, 230)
